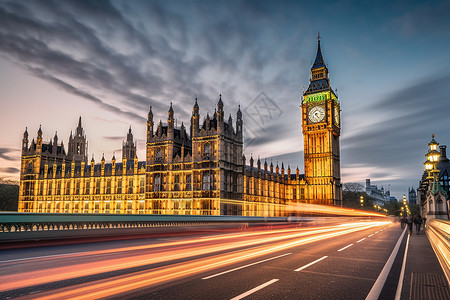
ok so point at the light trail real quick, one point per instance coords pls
(163, 245)
(85, 269)
(305, 209)
(148, 278)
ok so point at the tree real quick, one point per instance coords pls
(9, 197)
(352, 200)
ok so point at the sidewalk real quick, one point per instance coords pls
(424, 278)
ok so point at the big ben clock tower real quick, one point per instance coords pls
(321, 131)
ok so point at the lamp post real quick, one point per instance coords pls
(432, 160)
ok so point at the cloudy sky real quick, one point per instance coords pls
(108, 61)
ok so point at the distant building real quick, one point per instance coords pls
(381, 196)
(412, 196)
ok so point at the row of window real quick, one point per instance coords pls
(82, 187)
(208, 182)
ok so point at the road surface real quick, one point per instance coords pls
(340, 261)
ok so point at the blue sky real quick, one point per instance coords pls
(108, 61)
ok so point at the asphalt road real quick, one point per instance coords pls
(291, 262)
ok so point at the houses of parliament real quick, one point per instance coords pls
(200, 170)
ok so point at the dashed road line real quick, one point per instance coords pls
(310, 264)
(345, 247)
(259, 287)
(241, 267)
(361, 240)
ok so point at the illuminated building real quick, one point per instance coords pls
(433, 191)
(197, 171)
(321, 130)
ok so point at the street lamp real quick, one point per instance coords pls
(361, 199)
(432, 160)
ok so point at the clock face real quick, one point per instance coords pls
(316, 114)
(336, 115)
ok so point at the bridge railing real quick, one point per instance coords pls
(438, 232)
(29, 222)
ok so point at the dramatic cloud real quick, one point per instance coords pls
(5, 151)
(10, 170)
(114, 138)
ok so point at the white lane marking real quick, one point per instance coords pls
(345, 247)
(376, 232)
(370, 235)
(255, 289)
(381, 280)
(238, 268)
(310, 264)
(361, 240)
(402, 273)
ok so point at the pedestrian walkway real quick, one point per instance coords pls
(424, 278)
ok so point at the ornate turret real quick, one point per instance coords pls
(92, 165)
(25, 140)
(39, 140)
(103, 165)
(113, 164)
(170, 119)
(220, 112)
(129, 147)
(150, 125)
(77, 144)
(55, 144)
(239, 122)
(79, 130)
(195, 119)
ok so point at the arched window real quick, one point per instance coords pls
(77, 188)
(158, 154)
(188, 182)
(130, 186)
(157, 183)
(208, 181)
(176, 186)
(440, 206)
(206, 150)
(49, 188)
(108, 186)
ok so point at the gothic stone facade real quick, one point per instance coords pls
(200, 173)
